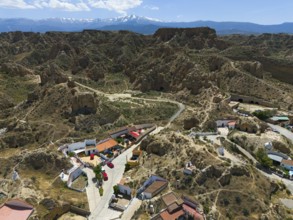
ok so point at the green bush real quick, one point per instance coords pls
(263, 158)
(264, 115)
(116, 190)
(101, 191)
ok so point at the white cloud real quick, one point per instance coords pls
(151, 7)
(15, 4)
(120, 6)
(65, 5)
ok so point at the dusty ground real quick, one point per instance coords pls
(71, 216)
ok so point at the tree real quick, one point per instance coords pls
(98, 172)
(263, 158)
(116, 190)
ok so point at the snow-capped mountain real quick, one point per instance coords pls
(143, 25)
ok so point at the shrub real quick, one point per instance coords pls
(116, 190)
(71, 154)
(245, 212)
(263, 158)
(101, 191)
(238, 200)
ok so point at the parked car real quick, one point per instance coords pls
(105, 176)
(111, 165)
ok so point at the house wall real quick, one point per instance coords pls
(124, 189)
(286, 166)
(222, 123)
(147, 195)
(231, 126)
(90, 151)
(76, 146)
(73, 175)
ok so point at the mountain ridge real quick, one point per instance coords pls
(142, 25)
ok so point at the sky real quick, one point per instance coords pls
(256, 11)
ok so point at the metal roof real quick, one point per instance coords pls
(275, 157)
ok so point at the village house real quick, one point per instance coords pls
(277, 157)
(136, 155)
(152, 187)
(124, 187)
(106, 145)
(178, 208)
(287, 164)
(16, 209)
(90, 147)
(229, 123)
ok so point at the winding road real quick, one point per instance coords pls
(99, 206)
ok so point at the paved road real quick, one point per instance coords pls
(129, 212)
(92, 191)
(101, 210)
(288, 134)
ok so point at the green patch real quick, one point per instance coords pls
(15, 87)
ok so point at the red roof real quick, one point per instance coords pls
(15, 209)
(134, 134)
(192, 212)
(168, 216)
(232, 123)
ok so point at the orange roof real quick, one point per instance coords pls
(231, 122)
(106, 145)
(168, 216)
(287, 162)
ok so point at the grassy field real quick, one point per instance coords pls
(16, 87)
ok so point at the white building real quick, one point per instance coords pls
(223, 122)
(123, 187)
(75, 146)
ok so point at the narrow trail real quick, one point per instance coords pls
(115, 96)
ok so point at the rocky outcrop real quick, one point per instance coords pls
(97, 73)
(255, 68)
(84, 103)
(156, 146)
(225, 179)
(53, 73)
(190, 123)
(15, 69)
(239, 171)
(44, 160)
(281, 147)
(210, 172)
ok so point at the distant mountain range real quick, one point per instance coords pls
(137, 24)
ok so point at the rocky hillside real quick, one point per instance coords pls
(171, 60)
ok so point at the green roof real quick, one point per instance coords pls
(280, 118)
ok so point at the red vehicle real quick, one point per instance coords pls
(109, 164)
(105, 176)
